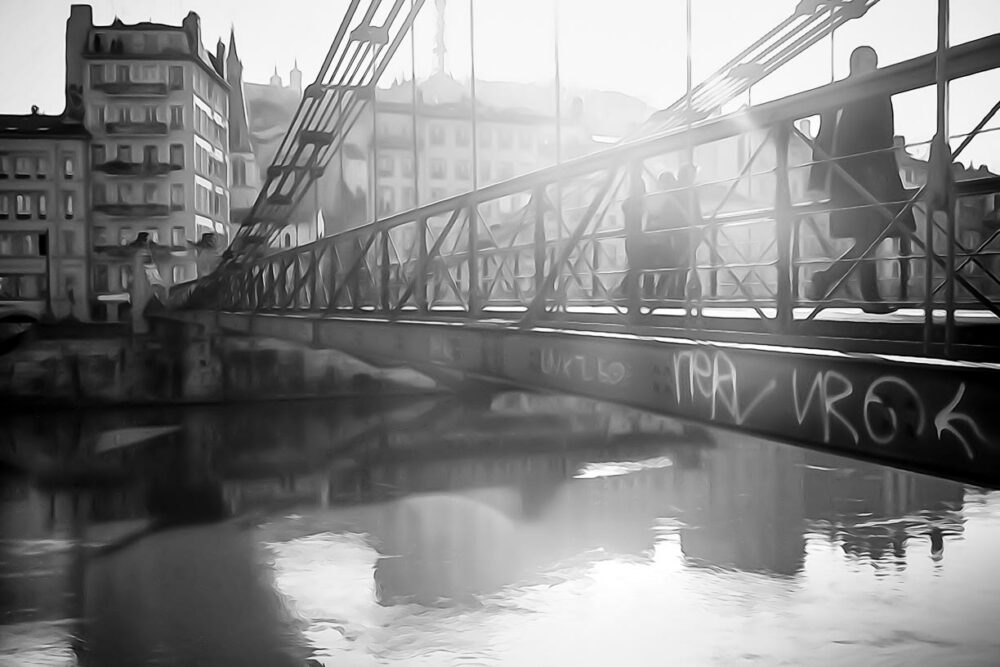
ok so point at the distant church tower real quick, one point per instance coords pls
(245, 174)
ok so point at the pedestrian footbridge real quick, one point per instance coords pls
(546, 296)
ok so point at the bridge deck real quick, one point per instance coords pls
(930, 415)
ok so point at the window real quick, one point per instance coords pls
(406, 166)
(408, 199)
(386, 201)
(202, 199)
(23, 206)
(42, 168)
(4, 207)
(506, 139)
(101, 115)
(124, 114)
(462, 170)
(68, 242)
(121, 74)
(149, 193)
(386, 166)
(154, 234)
(22, 167)
(96, 75)
(175, 77)
(126, 193)
(438, 168)
(177, 155)
(23, 244)
(68, 208)
(239, 172)
(124, 235)
(177, 274)
(101, 278)
(4, 166)
(151, 113)
(462, 135)
(100, 236)
(176, 116)
(124, 153)
(177, 197)
(98, 194)
(125, 277)
(43, 209)
(437, 135)
(150, 154)
(69, 166)
(177, 236)
(24, 287)
(98, 154)
(484, 170)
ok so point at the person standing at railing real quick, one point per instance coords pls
(667, 247)
(858, 138)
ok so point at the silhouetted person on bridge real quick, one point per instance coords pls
(859, 139)
(666, 250)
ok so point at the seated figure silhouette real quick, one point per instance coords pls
(858, 138)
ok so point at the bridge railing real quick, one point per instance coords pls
(570, 240)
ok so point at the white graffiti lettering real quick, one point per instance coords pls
(948, 421)
(822, 388)
(581, 367)
(714, 378)
(873, 398)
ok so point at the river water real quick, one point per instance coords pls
(520, 530)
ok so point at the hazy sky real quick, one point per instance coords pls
(634, 46)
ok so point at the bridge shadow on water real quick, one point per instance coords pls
(257, 537)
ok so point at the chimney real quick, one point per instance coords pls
(78, 25)
(220, 58)
(192, 27)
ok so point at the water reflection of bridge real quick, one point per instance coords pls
(457, 521)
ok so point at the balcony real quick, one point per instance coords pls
(120, 168)
(135, 88)
(134, 210)
(136, 127)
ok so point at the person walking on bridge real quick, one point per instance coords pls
(858, 138)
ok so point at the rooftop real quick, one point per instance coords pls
(35, 126)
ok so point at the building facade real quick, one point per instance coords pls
(43, 217)
(156, 105)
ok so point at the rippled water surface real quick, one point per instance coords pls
(523, 531)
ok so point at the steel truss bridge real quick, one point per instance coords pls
(546, 297)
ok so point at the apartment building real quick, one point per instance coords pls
(43, 217)
(155, 103)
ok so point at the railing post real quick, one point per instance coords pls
(783, 221)
(539, 244)
(943, 166)
(633, 237)
(384, 273)
(474, 297)
(421, 277)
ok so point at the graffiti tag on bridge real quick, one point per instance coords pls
(587, 368)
